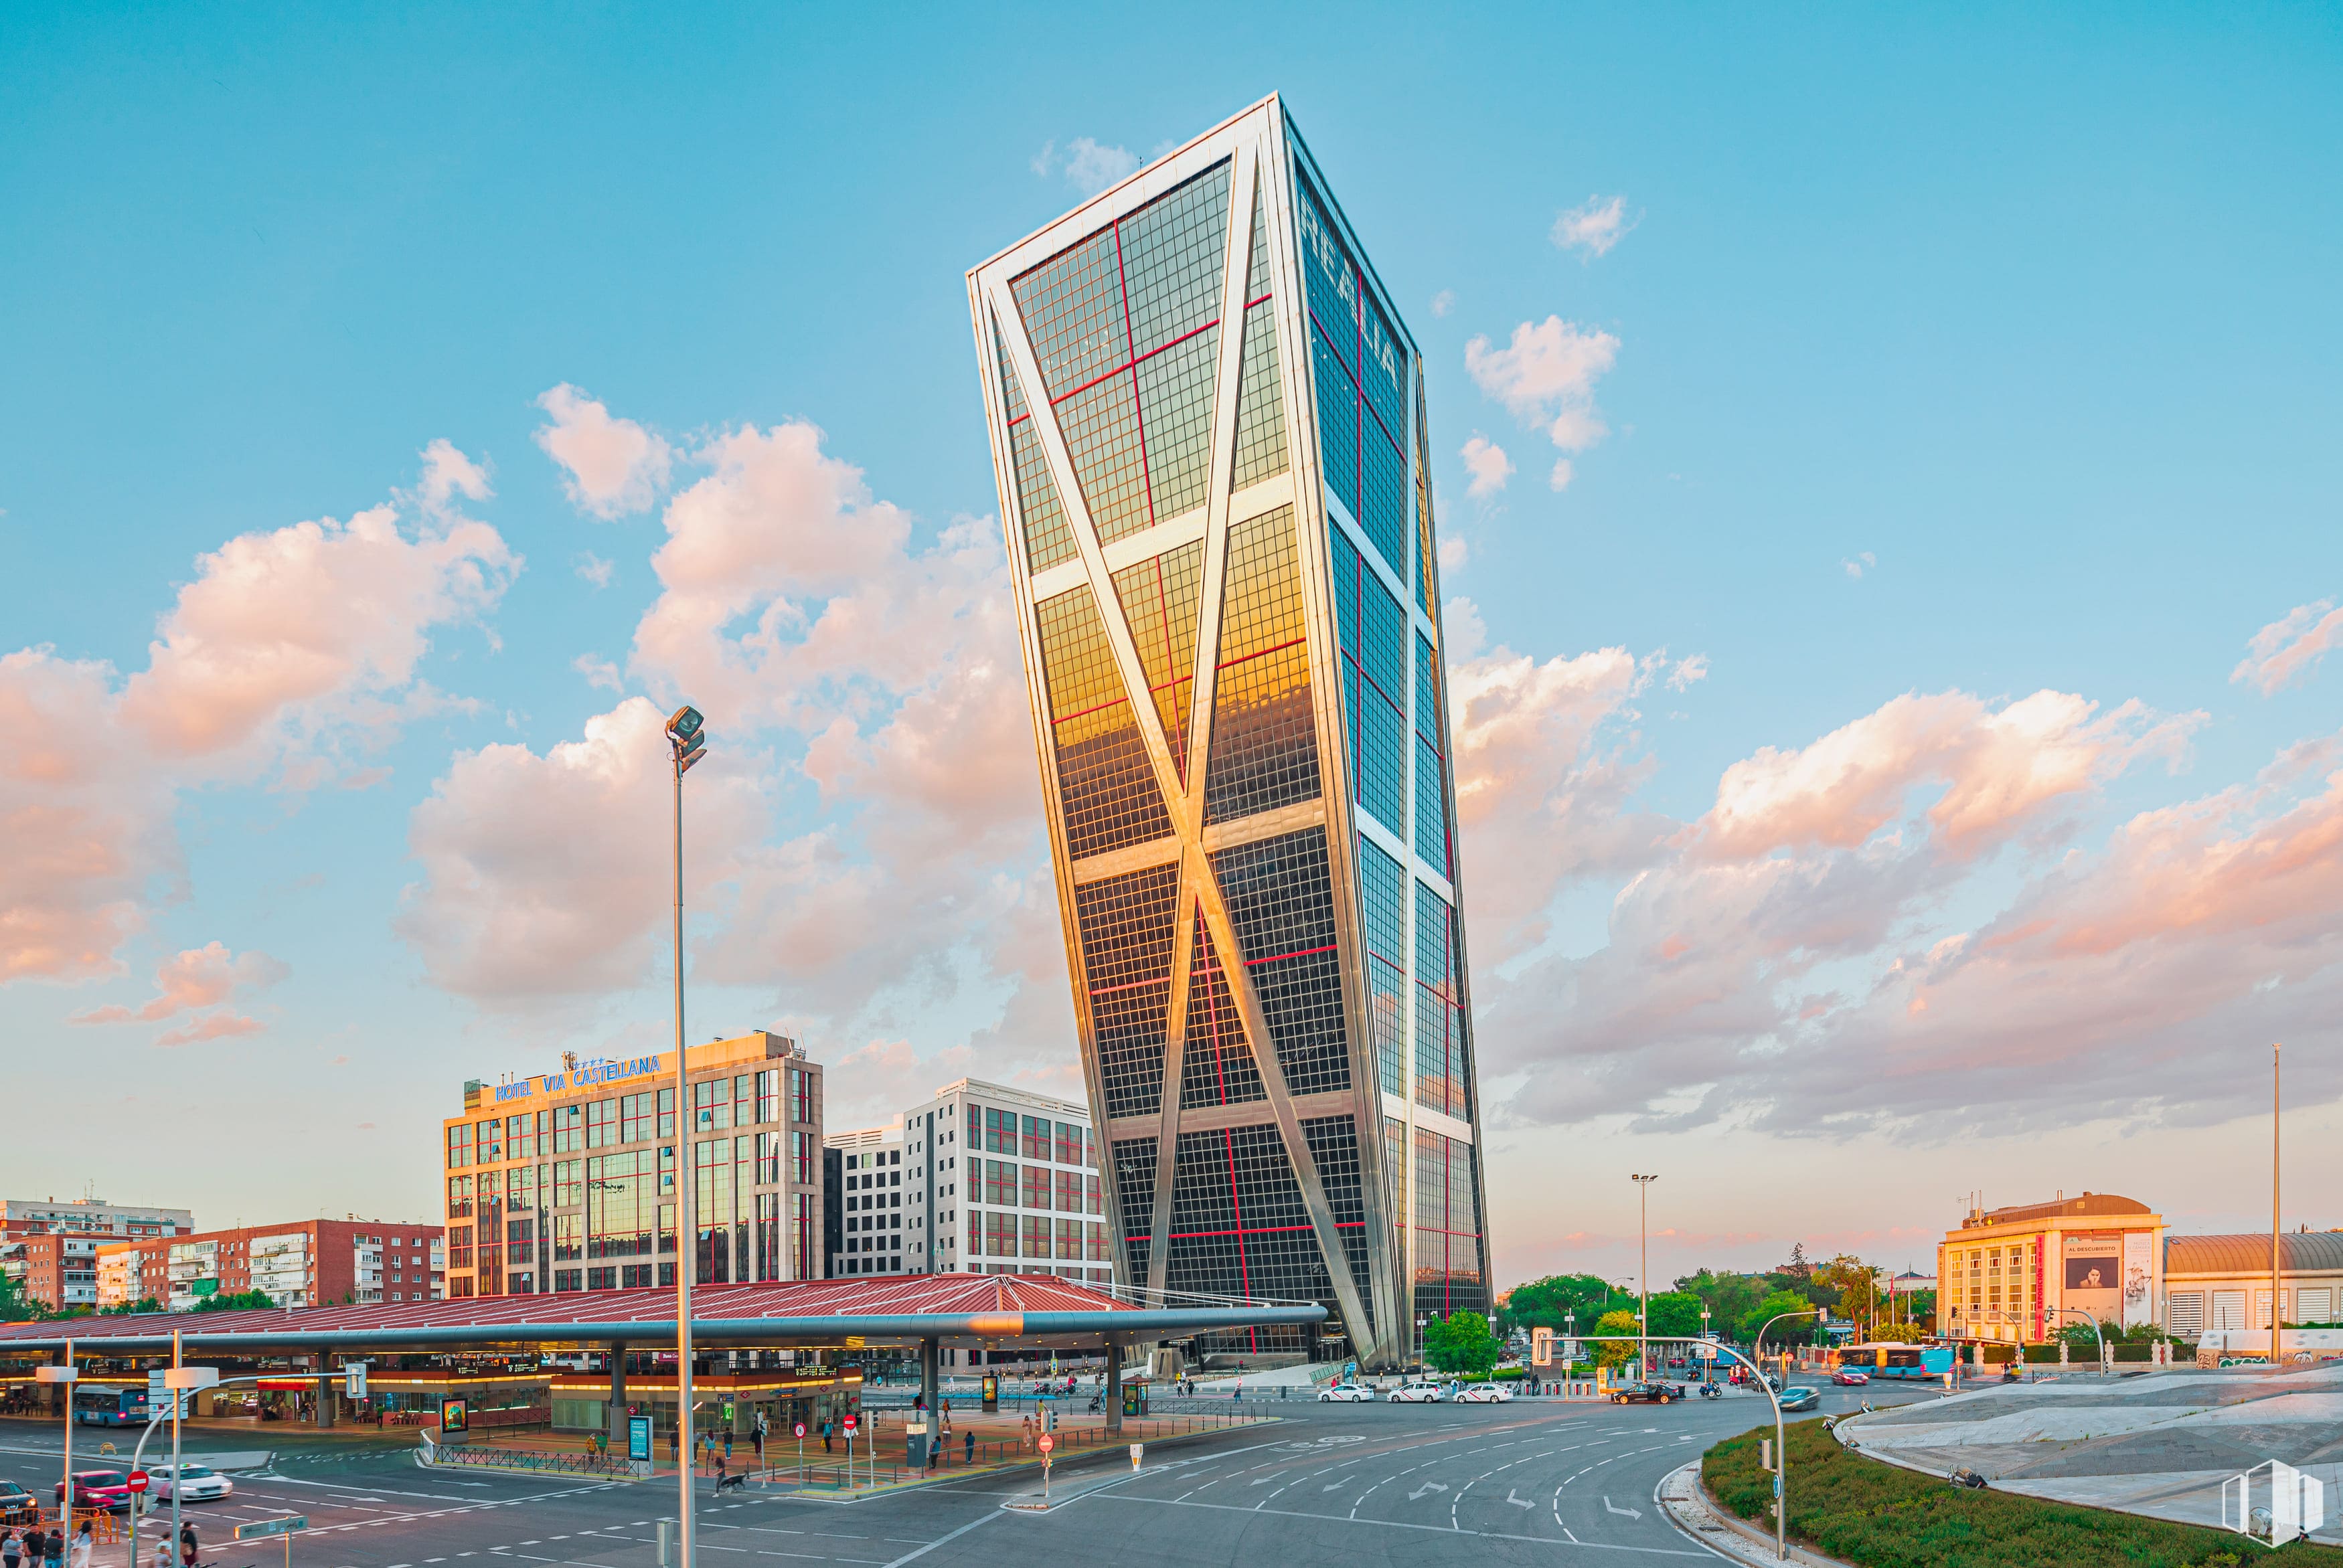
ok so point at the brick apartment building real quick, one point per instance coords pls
(301, 1264)
(49, 1246)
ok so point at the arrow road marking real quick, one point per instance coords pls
(1426, 1489)
(1519, 1502)
(1611, 1507)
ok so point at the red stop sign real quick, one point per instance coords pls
(849, 1423)
(137, 1481)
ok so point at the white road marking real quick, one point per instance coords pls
(1426, 1490)
(1611, 1507)
(1403, 1525)
(1519, 1502)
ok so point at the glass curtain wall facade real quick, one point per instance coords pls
(1208, 427)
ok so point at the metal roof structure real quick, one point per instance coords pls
(2300, 1252)
(1029, 1308)
(2090, 1204)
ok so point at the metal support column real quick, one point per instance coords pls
(617, 1412)
(1113, 1399)
(931, 1391)
(324, 1418)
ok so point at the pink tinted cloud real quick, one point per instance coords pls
(286, 648)
(85, 830)
(611, 467)
(192, 981)
(1786, 964)
(1999, 771)
(544, 876)
(221, 1025)
(2288, 649)
(316, 623)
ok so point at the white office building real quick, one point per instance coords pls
(1001, 1181)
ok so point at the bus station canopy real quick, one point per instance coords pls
(1036, 1310)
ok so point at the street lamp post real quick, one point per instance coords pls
(687, 740)
(2277, 1289)
(1707, 1362)
(1644, 1270)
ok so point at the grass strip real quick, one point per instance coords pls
(1883, 1516)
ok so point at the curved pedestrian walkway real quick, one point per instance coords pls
(2159, 1445)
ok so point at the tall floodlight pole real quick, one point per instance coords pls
(688, 741)
(2278, 1291)
(1643, 1269)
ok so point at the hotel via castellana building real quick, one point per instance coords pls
(1209, 441)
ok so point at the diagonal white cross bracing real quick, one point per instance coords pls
(1199, 892)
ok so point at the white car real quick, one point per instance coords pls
(1417, 1391)
(1483, 1394)
(1345, 1393)
(202, 1484)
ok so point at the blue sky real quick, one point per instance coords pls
(2028, 317)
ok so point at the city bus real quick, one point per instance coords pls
(1896, 1361)
(111, 1406)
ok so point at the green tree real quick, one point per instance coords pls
(236, 1301)
(1551, 1299)
(131, 1308)
(1676, 1313)
(1789, 1331)
(16, 1307)
(1728, 1297)
(1611, 1351)
(1460, 1342)
(1854, 1287)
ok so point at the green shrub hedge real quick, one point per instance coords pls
(1881, 1516)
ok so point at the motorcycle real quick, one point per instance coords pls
(1710, 1391)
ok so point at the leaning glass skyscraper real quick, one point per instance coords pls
(1208, 427)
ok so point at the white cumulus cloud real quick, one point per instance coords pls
(1593, 227)
(611, 467)
(1545, 377)
(1487, 463)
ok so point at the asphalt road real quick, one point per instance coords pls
(1528, 1481)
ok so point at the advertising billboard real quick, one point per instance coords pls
(2094, 1277)
(2139, 1278)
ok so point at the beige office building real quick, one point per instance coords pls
(2016, 1274)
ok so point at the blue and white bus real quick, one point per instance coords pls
(1897, 1359)
(111, 1406)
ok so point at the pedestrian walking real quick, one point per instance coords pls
(84, 1543)
(1024, 1434)
(11, 1547)
(162, 1552)
(670, 1444)
(967, 1451)
(947, 1417)
(727, 1445)
(53, 1547)
(825, 1435)
(189, 1547)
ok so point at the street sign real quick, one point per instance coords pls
(639, 1437)
(850, 1424)
(135, 1481)
(353, 1379)
(1048, 1442)
(259, 1528)
(800, 1428)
